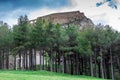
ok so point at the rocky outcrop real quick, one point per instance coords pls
(67, 18)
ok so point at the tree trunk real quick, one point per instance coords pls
(3, 59)
(99, 70)
(101, 63)
(30, 59)
(15, 67)
(7, 60)
(19, 60)
(51, 61)
(71, 66)
(79, 66)
(34, 59)
(40, 60)
(64, 63)
(59, 61)
(23, 60)
(118, 63)
(82, 66)
(96, 72)
(111, 65)
(56, 63)
(77, 63)
(43, 60)
(0, 60)
(105, 75)
(26, 60)
(91, 66)
(85, 66)
(107, 69)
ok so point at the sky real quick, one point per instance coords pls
(99, 11)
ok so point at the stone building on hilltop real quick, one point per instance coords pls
(67, 18)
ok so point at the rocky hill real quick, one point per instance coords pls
(67, 18)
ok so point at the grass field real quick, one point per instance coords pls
(40, 75)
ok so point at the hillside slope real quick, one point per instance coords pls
(40, 75)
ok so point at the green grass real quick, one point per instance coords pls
(40, 75)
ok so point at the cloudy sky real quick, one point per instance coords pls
(10, 10)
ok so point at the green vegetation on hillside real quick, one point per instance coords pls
(40, 75)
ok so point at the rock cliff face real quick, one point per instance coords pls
(68, 18)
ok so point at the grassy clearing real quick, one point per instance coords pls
(40, 75)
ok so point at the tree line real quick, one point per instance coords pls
(89, 50)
